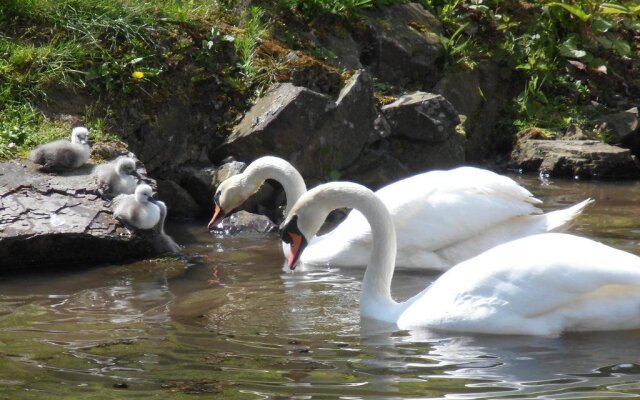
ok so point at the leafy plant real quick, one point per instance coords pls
(106, 49)
(336, 7)
(563, 49)
(247, 41)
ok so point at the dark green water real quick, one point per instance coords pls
(231, 323)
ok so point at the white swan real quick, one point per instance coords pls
(441, 217)
(543, 284)
(139, 209)
(119, 177)
(63, 155)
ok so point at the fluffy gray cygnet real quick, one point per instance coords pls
(138, 210)
(119, 177)
(63, 155)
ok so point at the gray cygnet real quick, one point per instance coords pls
(63, 155)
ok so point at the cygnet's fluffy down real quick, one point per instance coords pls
(118, 177)
(63, 155)
(138, 210)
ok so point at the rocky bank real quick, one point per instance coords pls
(325, 119)
(53, 221)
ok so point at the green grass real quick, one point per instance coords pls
(108, 51)
(337, 7)
(102, 48)
(569, 54)
(247, 41)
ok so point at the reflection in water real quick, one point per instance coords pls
(229, 321)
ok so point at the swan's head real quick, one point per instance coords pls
(303, 222)
(80, 135)
(144, 194)
(126, 166)
(230, 195)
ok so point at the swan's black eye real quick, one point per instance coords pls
(216, 198)
(290, 227)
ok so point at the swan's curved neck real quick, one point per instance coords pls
(279, 170)
(375, 297)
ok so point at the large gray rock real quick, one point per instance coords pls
(584, 159)
(226, 170)
(479, 95)
(58, 221)
(422, 116)
(405, 44)
(423, 156)
(346, 50)
(281, 122)
(424, 132)
(377, 167)
(423, 135)
(624, 127)
(198, 182)
(319, 136)
(348, 129)
(166, 132)
(244, 221)
(180, 204)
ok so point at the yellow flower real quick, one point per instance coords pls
(137, 75)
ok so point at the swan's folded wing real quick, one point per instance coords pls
(446, 207)
(535, 276)
(432, 211)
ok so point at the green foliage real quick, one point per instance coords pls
(336, 7)
(254, 29)
(105, 48)
(22, 128)
(562, 48)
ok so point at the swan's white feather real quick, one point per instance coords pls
(442, 218)
(136, 210)
(542, 284)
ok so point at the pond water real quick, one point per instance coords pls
(228, 322)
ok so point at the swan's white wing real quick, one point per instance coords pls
(541, 284)
(439, 208)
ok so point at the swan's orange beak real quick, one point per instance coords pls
(296, 249)
(291, 234)
(218, 215)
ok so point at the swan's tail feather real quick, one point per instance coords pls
(561, 220)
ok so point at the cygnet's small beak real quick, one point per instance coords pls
(218, 215)
(136, 174)
(153, 199)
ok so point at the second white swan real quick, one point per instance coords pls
(441, 217)
(543, 284)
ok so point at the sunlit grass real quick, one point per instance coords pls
(92, 45)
